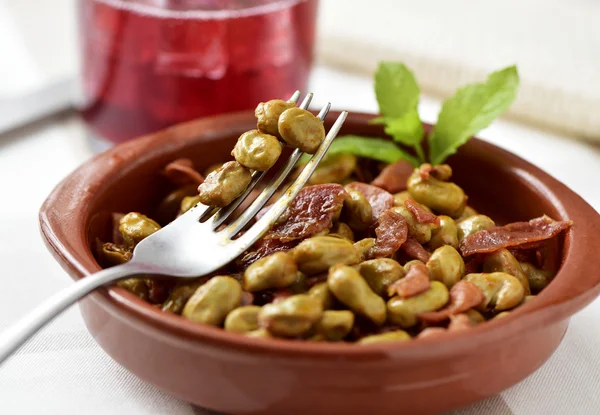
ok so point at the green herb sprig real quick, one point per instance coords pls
(471, 109)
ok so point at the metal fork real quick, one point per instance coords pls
(174, 250)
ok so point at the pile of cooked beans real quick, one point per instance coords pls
(259, 150)
(365, 253)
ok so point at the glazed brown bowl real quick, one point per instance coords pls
(231, 373)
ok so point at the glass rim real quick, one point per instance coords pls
(161, 9)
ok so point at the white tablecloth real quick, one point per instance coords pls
(63, 371)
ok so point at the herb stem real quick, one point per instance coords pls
(420, 153)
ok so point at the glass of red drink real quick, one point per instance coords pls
(149, 64)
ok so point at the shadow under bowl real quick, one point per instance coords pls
(231, 373)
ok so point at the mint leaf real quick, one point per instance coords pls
(470, 110)
(396, 89)
(369, 147)
(398, 97)
(407, 129)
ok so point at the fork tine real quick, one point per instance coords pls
(266, 194)
(295, 96)
(192, 215)
(224, 213)
(306, 101)
(269, 218)
(323, 113)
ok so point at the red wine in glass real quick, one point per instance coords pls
(149, 64)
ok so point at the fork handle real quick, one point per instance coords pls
(13, 337)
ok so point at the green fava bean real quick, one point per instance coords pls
(180, 295)
(420, 231)
(277, 270)
(380, 273)
(446, 265)
(467, 213)
(475, 316)
(243, 319)
(259, 333)
(268, 113)
(504, 261)
(446, 234)
(334, 169)
(134, 227)
(342, 230)
(502, 291)
(364, 246)
(316, 338)
(115, 254)
(317, 254)
(299, 285)
(538, 278)
(445, 198)
(322, 233)
(321, 292)
(349, 287)
(400, 198)
(334, 325)
(135, 285)
(301, 129)
(256, 150)
(189, 202)
(404, 311)
(357, 211)
(473, 224)
(170, 206)
(390, 336)
(224, 185)
(212, 301)
(290, 317)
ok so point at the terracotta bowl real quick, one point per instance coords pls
(235, 374)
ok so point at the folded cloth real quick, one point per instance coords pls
(448, 44)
